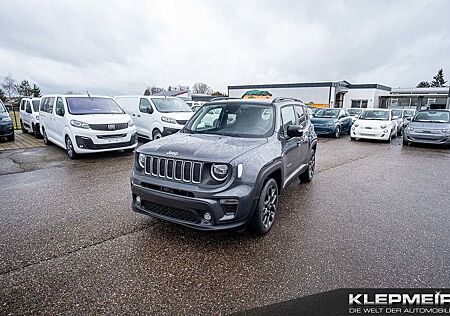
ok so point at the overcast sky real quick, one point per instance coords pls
(122, 47)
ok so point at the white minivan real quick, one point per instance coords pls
(86, 124)
(156, 116)
(29, 115)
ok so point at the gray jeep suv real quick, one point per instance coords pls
(227, 167)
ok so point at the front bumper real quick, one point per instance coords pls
(186, 204)
(324, 129)
(379, 134)
(6, 129)
(427, 138)
(96, 141)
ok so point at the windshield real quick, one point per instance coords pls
(327, 113)
(95, 105)
(409, 113)
(165, 105)
(36, 105)
(375, 115)
(432, 117)
(397, 113)
(239, 120)
(354, 112)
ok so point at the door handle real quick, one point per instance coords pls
(133, 114)
(138, 115)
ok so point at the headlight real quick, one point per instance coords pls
(330, 123)
(141, 160)
(356, 124)
(385, 131)
(37, 117)
(130, 123)
(6, 119)
(445, 131)
(219, 172)
(383, 126)
(79, 124)
(410, 128)
(168, 120)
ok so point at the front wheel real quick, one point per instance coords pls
(308, 174)
(70, 150)
(337, 132)
(11, 137)
(266, 209)
(405, 142)
(156, 134)
(22, 127)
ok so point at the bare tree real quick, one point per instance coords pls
(9, 84)
(201, 88)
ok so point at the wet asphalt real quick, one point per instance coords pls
(375, 215)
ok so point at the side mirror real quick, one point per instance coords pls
(60, 112)
(149, 110)
(294, 131)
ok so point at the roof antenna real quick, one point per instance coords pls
(164, 94)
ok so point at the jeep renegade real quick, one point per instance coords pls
(227, 167)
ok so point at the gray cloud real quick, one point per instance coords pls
(118, 47)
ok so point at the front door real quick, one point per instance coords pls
(59, 121)
(144, 119)
(303, 142)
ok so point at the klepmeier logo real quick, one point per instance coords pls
(437, 303)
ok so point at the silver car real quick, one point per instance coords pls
(428, 126)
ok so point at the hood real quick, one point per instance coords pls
(102, 118)
(372, 123)
(322, 120)
(183, 116)
(429, 125)
(201, 147)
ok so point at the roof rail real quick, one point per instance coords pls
(281, 99)
(222, 98)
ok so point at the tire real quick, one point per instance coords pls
(405, 142)
(156, 134)
(264, 215)
(337, 132)
(22, 127)
(69, 148)
(44, 136)
(352, 138)
(11, 137)
(129, 150)
(308, 174)
(389, 139)
(35, 131)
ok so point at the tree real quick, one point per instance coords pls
(9, 84)
(201, 88)
(423, 84)
(218, 94)
(24, 89)
(147, 91)
(2, 95)
(438, 79)
(36, 91)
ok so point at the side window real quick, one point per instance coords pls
(28, 107)
(287, 117)
(22, 106)
(43, 104)
(49, 107)
(59, 108)
(301, 115)
(145, 106)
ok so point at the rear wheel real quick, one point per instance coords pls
(36, 131)
(70, 150)
(308, 174)
(44, 135)
(264, 215)
(337, 132)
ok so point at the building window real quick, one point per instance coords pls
(359, 103)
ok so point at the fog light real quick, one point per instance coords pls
(385, 131)
(207, 216)
(138, 200)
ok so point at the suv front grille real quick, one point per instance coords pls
(176, 213)
(108, 127)
(174, 169)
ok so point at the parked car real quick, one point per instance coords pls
(86, 124)
(156, 116)
(375, 124)
(6, 124)
(331, 122)
(397, 114)
(29, 116)
(354, 113)
(428, 126)
(230, 174)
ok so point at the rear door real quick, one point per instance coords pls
(28, 112)
(304, 122)
(290, 146)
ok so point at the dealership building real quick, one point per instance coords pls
(343, 94)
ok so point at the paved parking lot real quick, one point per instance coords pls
(376, 215)
(22, 141)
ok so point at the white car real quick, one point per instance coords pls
(29, 115)
(86, 124)
(375, 124)
(156, 116)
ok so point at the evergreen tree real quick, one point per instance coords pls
(24, 89)
(423, 84)
(438, 80)
(36, 91)
(2, 95)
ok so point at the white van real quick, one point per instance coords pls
(156, 116)
(86, 124)
(29, 115)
